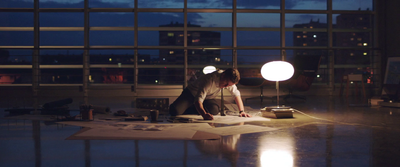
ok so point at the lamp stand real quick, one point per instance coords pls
(277, 111)
(222, 111)
(277, 94)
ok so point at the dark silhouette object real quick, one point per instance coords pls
(59, 107)
(305, 70)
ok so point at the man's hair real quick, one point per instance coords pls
(232, 74)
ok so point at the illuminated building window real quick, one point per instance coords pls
(304, 32)
(365, 44)
(311, 26)
(359, 39)
(315, 40)
(181, 35)
(365, 53)
(361, 18)
(351, 39)
(298, 36)
(304, 36)
(359, 44)
(170, 34)
(189, 34)
(351, 54)
(171, 52)
(304, 44)
(315, 36)
(195, 40)
(354, 34)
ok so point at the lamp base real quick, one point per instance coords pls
(277, 112)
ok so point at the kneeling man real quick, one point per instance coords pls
(201, 94)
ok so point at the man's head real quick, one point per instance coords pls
(229, 77)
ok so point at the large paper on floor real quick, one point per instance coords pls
(229, 119)
(144, 131)
(240, 129)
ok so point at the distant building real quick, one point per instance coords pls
(176, 56)
(195, 38)
(355, 40)
(352, 39)
(310, 37)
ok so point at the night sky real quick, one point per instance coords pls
(151, 19)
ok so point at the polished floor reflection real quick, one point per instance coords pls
(330, 131)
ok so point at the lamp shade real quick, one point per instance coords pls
(277, 71)
(209, 69)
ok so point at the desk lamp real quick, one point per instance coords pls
(277, 71)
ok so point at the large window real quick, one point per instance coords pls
(63, 42)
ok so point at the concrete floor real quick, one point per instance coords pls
(335, 132)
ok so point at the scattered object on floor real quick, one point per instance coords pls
(229, 119)
(59, 107)
(181, 120)
(141, 118)
(389, 104)
(86, 112)
(101, 109)
(120, 113)
(143, 131)
(277, 112)
(374, 101)
(154, 115)
(153, 103)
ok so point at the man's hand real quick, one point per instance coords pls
(243, 114)
(208, 116)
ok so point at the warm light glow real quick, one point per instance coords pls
(365, 44)
(315, 36)
(110, 59)
(277, 70)
(209, 69)
(276, 158)
(365, 53)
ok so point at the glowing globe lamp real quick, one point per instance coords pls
(209, 69)
(277, 71)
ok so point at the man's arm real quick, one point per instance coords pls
(239, 102)
(202, 112)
